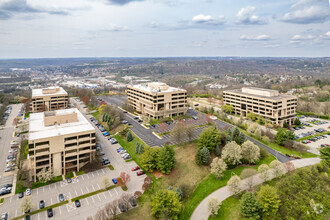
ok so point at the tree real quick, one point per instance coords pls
(106, 182)
(289, 166)
(129, 137)
(232, 153)
(102, 109)
(240, 139)
(165, 204)
(125, 177)
(178, 133)
(250, 152)
(166, 159)
(198, 158)
(205, 154)
(265, 139)
(137, 148)
(234, 184)
(269, 200)
(257, 133)
(227, 108)
(217, 151)
(149, 159)
(278, 168)
(263, 171)
(249, 206)
(125, 199)
(45, 175)
(248, 174)
(180, 193)
(282, 135)
(218, 167)
(213, 206)
(297, 122)
(285, 125)
(26, 204)
(190, 132)
(251, 129)
(209, 138)
(325, 155)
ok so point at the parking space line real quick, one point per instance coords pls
(37, 191)
(82, 176)
(43, 189)
(93, 187)
(92, 174)
(16, 213)
(87, 176)
(76, 193)
(49, 187)
(10, 199)
(70, 195)
(104, 196)
(103, 171)
(93, 199)
(38, 216)
(109, 193)
(97, 172)
(87, 189)
(82, 192)
(51, 201)
(98, 186)
(55, 185)
(116, 191)
(60, 209)
(98, 197)
(87, 202)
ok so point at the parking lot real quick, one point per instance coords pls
(319, 128)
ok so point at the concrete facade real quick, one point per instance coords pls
(61, 140)
(49, 99)
(276, 108)
(157, 100)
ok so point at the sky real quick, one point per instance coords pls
(164, 28)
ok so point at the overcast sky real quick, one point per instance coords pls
(160, 28)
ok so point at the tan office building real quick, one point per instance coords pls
(157, 100)
(63, 140)
(49, 99)
(273, 106)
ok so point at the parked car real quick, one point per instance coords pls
(124, 122)
(132, 201)
(105, 162)
(20, 195)
(140, 173)
(120, 149)
(123, 151)
(102, 153)
(50, 213)
(127, 157)
(4, 216)
(124, 155)
(42, 204)
(135, 168)
(114, 180)
(69, 180)
(113, 141)
(122, 207)
(28, 192)
(77, 203)
(61, 197)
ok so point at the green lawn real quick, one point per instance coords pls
(81, 172)
(229, 209)
(96, 115)
(68, 175)
(211, 183)
(27, 115)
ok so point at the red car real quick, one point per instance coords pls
(13, 146)
(135, 168)
(140, 173)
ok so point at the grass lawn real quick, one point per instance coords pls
(1, 200)
(27, 115)
(228, 209)
(68, 175)
(283, 150)
(96, 115)
(53, 180)
(81, 172)
(211, 183)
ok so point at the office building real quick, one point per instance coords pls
(49, 99)
(61, 140)
(157, 100)
(270, 104)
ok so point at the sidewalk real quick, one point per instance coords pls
(202, 213)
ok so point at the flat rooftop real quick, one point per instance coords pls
(38, 130)
(261, 93)
(41, 92)
(157, 87)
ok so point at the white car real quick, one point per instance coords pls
(28, 192)
(4, 216)
(124, 155)
(123, 151)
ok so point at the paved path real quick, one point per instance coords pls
(201, 212)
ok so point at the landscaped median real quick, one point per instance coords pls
(66, 201)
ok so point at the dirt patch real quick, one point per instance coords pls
(157, 174)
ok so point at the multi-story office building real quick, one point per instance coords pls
(49, 99)
(61, 140)
(157, 100)
(270, 104)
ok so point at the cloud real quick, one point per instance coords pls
(248, 15)
(261, 37)
(122, 2)
(308, 11)
(117, 28)
(301, 37)
(208, 19)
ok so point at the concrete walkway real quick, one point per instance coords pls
(202, 213)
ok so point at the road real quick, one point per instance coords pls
(81, 185)
(6, 137)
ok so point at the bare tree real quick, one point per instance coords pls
(100, 215)
(289, 166)
(125, 199)
(26, 204)
(106, 182)
(249, 175)
(137, 194)
(108, 210)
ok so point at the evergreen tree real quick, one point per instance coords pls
(217, 151)
(141, 148)
(205, 156)
(165, 159)
(249, 206)
(104, 117)
(198, 158)
(180, 193)
(240, 139)
(229, 136)
(235, 133)
(149, 159)
(137, 148)
(297, 122)
(129, 137)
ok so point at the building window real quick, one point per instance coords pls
(42, 143)
(70, 138)
(84, 136)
